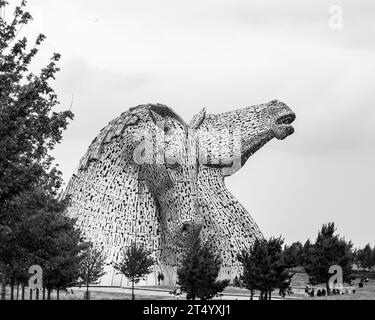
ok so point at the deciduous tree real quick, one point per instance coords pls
(91, 267)
(29, 129)
(43, 235)
(135, 264)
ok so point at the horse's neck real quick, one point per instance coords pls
(228, 224)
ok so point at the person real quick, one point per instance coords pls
(178, 290)
(160, 277)
(360, 283)
(236, 282)
(282, 293)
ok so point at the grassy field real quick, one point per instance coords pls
(162, 293)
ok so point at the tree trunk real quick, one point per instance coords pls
(87, 292)
(133, 297)
(11, 289)
(31, 294)
(269, 295)
(44, 293)
(3, 285)
(23, 292)
(37, 294)
(48, 294)
(251, 294)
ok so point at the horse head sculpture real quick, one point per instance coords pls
(151, 178)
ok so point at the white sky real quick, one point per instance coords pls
(223, 55)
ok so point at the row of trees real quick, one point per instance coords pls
(329, 249)
(268, 266)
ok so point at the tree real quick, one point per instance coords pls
(328, 250)
(306, 253)
(198, 273)
(91, 267)
(293, 254)
(43, 236)
(63, 255)
(365, 257)
(135, 264)
(29, 129)
(265, 268)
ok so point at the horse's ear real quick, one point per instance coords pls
(198, 119)
(163, 111)
(153, 116)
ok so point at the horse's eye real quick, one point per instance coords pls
(171, 160)
(169, 130)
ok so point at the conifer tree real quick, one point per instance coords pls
(329, 250)
(198, 273)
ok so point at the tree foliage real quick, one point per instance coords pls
(135, 263)
(328, 250)
(199, 271)
(307, 253)
(42, 235)
(91, 268)
(265, 268)
(365, 257)
(29, 127)
(33, 228)
(293, 254)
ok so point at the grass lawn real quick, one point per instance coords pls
(162, 293)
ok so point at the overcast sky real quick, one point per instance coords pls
(224, 55)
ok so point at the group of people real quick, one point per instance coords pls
(320, 292)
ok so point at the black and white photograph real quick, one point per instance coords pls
(187, 158)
